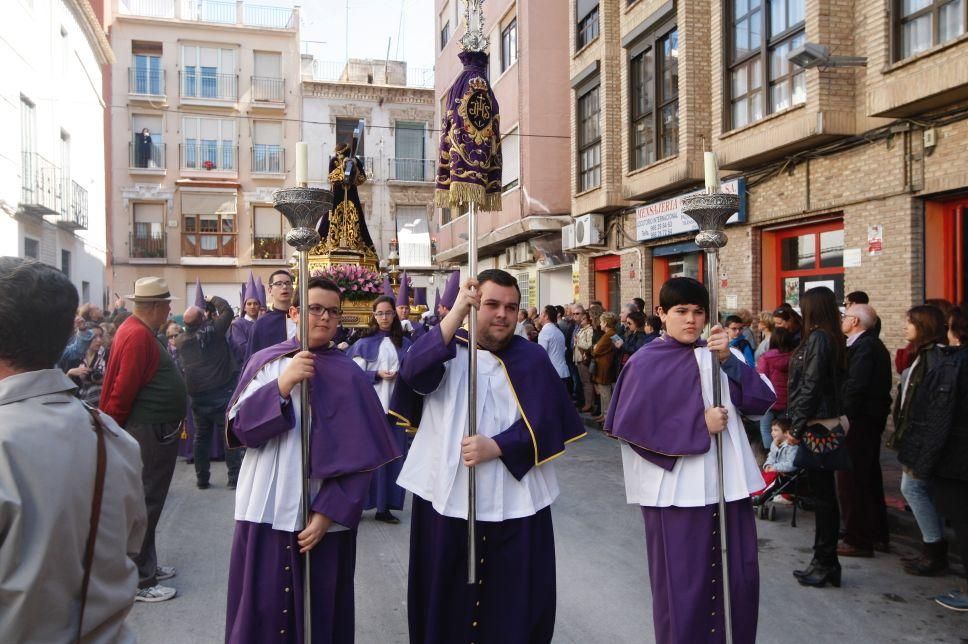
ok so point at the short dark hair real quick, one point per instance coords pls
(499, 277)
(782, 423)
(37, 308)
(958, 325)
(732, 319)
(653, 321)
(281, 271)
(858, 297)
(639, 302)
(318, 282)
(683, 290)
(561, 310)
(552, 313)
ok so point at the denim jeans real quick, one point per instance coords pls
(208, 412)
(917, 493)
(766, 424)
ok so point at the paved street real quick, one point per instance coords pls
(602, 574)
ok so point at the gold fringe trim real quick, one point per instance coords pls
(462, 194)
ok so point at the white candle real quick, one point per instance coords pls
(711, 167)
(302, 163)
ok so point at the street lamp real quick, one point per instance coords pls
(813, 55)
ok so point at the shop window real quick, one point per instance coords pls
(809, 257)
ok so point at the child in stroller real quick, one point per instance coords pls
(779, 472)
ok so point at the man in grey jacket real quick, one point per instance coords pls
(48, 463)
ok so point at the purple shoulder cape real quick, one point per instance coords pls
(268, 330)
(368, 348)
(657, 406)
(548, 417)
(350, 432)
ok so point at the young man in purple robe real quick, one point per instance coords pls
(350, 437)
(274, 326)
(662, 412)
(524, 420)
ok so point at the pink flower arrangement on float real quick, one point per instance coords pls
(355, 282)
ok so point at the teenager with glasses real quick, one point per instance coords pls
(275, 326)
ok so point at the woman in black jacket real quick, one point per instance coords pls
(935, 446)
(817, 370)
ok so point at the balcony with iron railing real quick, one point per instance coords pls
(146, 158)
(268, 159)
(146, 82)
(73, 213)
(208, 156)
(222, 12)
(147, 245)
(338, 72)
(40, 186)
(269, 90)
(203, 85)
(417, 170)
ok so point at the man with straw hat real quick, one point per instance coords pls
(144, 392)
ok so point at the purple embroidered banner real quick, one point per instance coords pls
(469, 161)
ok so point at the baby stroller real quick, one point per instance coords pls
(793, 486)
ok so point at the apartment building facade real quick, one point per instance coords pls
(51, 149)
(206, 110)
(851, 177)
(398, 148)
(529, 75)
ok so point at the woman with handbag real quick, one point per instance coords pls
(582, 357)
(814, 406)
(925, 332)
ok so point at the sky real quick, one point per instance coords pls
(408, 26)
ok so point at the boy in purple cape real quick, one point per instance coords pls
(350, 438)
(241, 329)
(525, 419)
(662, 413)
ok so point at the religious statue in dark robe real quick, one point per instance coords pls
(344, 227)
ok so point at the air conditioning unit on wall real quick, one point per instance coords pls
(568, 237)
(589, 230)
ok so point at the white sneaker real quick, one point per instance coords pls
(164, 572)
(156, 593)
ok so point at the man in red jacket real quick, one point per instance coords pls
(144, 392)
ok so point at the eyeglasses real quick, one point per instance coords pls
(383, 314)
(172, 336)
(317, 311)
(281, 284)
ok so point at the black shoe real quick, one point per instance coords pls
(201, 485)
(933, 562)
(821, 575)
(386, 517)
(806, 571)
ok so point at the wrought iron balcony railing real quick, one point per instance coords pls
(73, 213)
(146, 82)
(200, 83)
(411, 170)
(148, 156)
(268, 159)
(40, 186)
(268, 90)
(208, 155)
(147, 245)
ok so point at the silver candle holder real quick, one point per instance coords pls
(303, 207)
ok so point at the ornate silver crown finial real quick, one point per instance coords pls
(474, 39)
(302, 208)
(710, 211)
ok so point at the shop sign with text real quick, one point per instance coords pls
(665, 218)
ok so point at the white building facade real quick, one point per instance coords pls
(52, 170)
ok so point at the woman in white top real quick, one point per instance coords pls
(379, 354)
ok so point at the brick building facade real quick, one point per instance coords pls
(853, 177)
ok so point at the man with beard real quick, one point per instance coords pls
(525, 419)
